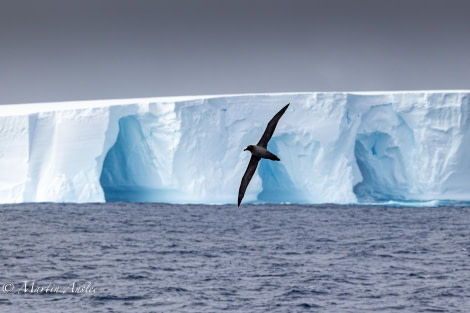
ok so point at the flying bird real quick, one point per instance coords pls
(258, 152)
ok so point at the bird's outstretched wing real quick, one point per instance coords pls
(268, 133)
(250, 170)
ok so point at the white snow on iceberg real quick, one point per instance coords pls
(338, 147)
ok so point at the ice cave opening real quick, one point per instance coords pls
(129, 172)
(385, 153)
(277, 184)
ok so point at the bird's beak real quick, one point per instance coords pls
(245, 149)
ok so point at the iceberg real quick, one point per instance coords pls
(335, 147)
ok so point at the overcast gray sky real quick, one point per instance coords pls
(54, 50)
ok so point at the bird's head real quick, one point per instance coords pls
(249, 148)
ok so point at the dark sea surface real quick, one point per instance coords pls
(132, 257)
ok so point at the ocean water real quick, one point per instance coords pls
(133, 257)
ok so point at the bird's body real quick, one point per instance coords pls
(258, 152)
(262, 153)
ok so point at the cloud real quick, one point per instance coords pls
(71, 50)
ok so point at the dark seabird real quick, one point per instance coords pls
(258, 152)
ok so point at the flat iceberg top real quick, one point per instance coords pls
(335, 147)
(27, 108)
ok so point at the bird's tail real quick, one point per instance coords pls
(271, 156)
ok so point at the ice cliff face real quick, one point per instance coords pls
(334, 147)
